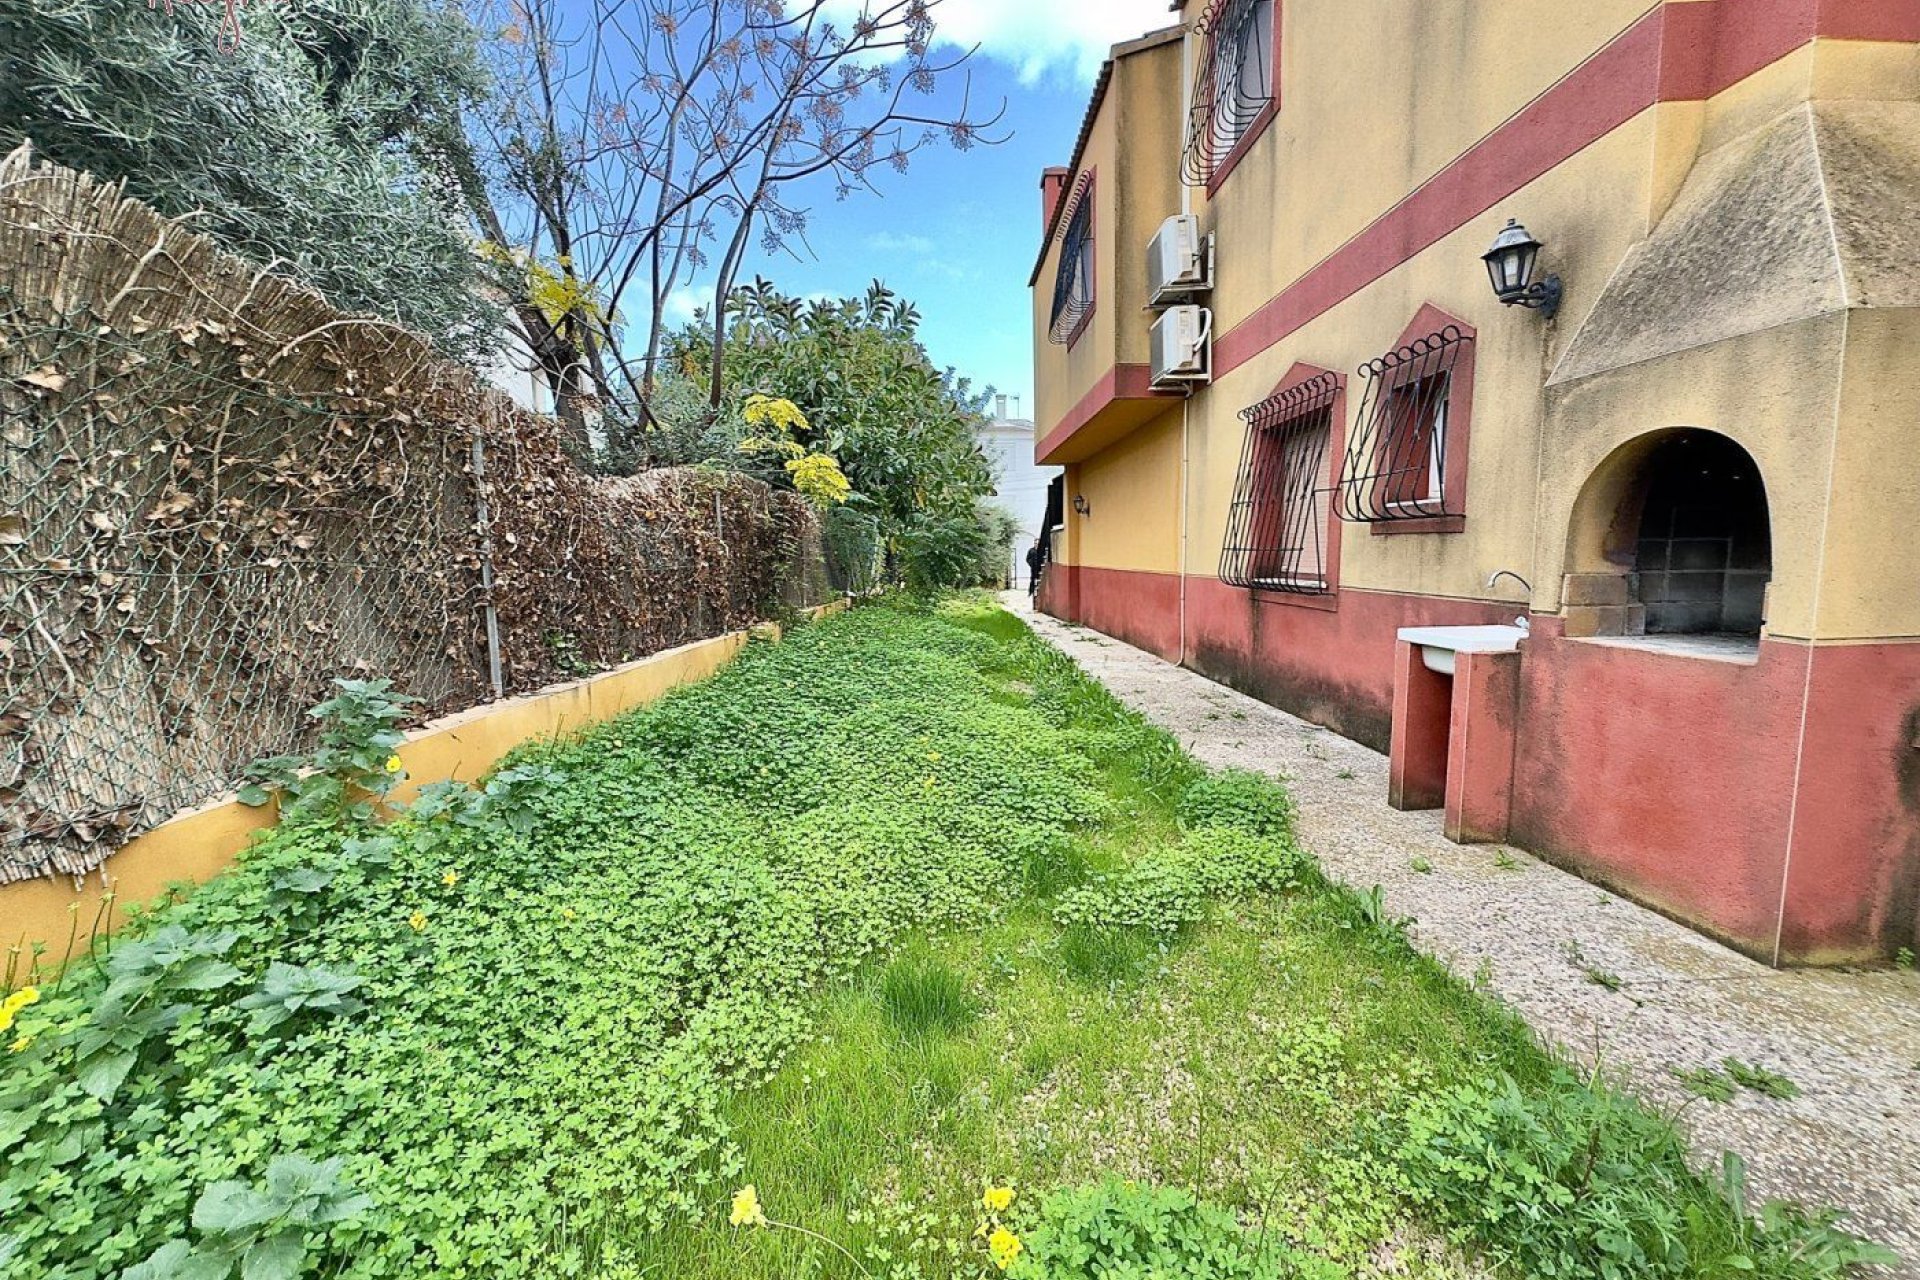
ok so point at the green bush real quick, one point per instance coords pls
(1176, 886)
(942, 550)
(1114, 1230)
(1578, 1182)
(1237, 798)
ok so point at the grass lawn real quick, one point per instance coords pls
(896, 915)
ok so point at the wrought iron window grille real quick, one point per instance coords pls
(1399, 456)
(1277, 525)
(1073, 281)
(1232, 85)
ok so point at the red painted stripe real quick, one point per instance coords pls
(1870, 19)
(1122, 382)
(1078, 416)
(1679, 52)
(1599, 96)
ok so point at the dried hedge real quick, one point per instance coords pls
(217, 494)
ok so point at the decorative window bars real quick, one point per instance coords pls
(1399, 455)
(1073, 282)
(1277, 526)
(1233, 84)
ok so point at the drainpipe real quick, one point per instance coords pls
(1186, 404)
(1186, 117)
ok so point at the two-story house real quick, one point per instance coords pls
(1533, 392)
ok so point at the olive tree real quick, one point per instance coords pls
(310, 139)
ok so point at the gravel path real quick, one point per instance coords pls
(1533, 934)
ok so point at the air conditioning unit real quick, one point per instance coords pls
(1183, 347)
(1179, 261)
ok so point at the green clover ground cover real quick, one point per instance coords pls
(900, 908)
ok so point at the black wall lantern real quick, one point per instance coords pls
(1081, 504)
(1510, 265)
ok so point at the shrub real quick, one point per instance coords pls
(1236, 798)
(942, 550)
(1171, 888)
(1114, 1230)
(1579, 1182)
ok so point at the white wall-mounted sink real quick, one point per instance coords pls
(1440, 645)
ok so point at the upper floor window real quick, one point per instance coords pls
(1234, 87)
(1279, 527)
(1405, 460)
(1073, 282)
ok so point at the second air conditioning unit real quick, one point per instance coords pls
(1182, 347)
(1179, 261)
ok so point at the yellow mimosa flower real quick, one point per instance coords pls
(450, 879)
(996, 1199)
(419, 921)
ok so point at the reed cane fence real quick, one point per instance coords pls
(218, 495)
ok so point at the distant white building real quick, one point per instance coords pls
(1022, 490)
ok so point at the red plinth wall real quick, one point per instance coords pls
(1772, 804)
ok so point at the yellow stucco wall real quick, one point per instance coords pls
(1064, 374)
(1376, 96)
(1513, 349)
(1133, 490)
(1133, 193)
(1872, 534)
(197, 845)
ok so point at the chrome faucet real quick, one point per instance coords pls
(1523, 621)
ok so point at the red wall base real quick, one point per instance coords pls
(1683, 782)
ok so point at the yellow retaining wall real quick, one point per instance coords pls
(198, 844)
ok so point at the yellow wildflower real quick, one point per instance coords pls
(746, 1208)
(1003, 1247)
(450, 879)
(419, 921)
(20, 1045)
(394, 765)
(996, 1199)
(14, 1003)
(566, 913)
(934, 756)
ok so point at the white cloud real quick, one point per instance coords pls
(897, 242)
(687, 299)
(1039, 36)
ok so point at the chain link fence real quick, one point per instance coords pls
(217, 496)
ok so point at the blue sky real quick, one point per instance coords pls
(958, 232)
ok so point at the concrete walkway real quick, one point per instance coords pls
(1539, 937)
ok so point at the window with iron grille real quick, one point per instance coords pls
(1073, 281)
(1403, 445)
(1234, 84)
(1277, 527)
